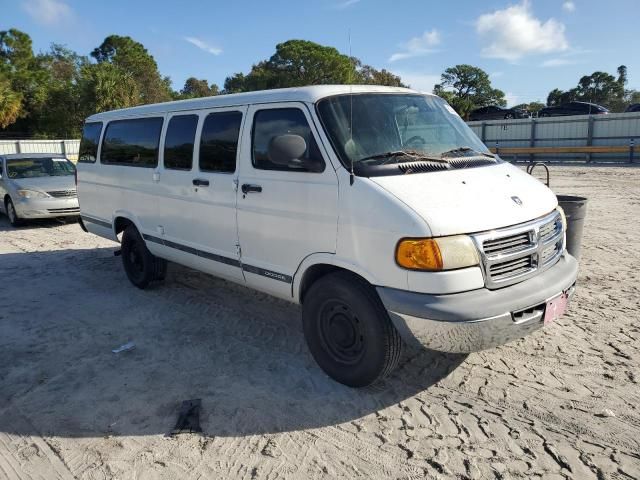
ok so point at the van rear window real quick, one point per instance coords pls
(89, 143)
(132, 142)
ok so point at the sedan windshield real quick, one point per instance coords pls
(369, 128)
(39, 167)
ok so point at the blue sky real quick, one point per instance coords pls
(527, 46)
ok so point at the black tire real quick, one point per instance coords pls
(140, 265)
(348, 330)
(14, 219)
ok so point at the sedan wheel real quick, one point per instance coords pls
(11, 213)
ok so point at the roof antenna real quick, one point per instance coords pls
(351, 174)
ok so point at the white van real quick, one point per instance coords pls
(376, 208)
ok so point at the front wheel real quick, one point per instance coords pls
(140, 265)
(348, 330)
(11, 213)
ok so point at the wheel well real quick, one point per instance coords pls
(121, 223)
(6, 199)
(315, 273)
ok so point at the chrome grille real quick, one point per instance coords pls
(63, 193)
(510, 268)
(513, 254)
(511, 243)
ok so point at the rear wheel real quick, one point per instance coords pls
(348, 330)
(509, 116)
(140, 265)
(11, 213)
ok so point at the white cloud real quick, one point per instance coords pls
(418, 46)
(515, 32)
(346, 4)
(202, 45)
(48, 12)
(512, 99)
(423, 82)
(496, 74)
(569, 6)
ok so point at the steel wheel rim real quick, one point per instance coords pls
(341, 332)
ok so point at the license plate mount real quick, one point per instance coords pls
(555, 308)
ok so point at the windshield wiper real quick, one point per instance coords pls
(411, 156)
(453, 151)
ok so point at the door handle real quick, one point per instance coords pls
(248, 188)
(200, 182)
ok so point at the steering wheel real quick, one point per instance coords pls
(415, 141)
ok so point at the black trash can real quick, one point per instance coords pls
(575, 209)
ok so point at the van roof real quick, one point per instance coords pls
(309, 94)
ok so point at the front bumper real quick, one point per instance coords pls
(31, 208)
(478, 319)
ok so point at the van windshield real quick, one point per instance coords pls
(371, 128)
(39, 167)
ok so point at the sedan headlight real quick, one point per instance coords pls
(436, 254)
(31, 194)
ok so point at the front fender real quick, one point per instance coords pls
(322, 258)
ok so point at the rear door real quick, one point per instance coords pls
(197, 190)
(284, 213)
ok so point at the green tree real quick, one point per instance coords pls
(194, 88)
(105, 86)
(558, 97)
(599, 87)
(135, 62)
(27, 79)
(10, 102)
(61, 116)
(532, 107)
(297, 63)
(466, 88)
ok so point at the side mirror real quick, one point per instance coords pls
(285, 149)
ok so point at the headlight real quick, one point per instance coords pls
(435, 254)
(563, 217)
(31, 194)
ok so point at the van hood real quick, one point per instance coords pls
(472, 200)
(46, 184)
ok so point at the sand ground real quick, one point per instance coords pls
(562, 403)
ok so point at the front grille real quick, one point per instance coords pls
(64, 193)
(507, 244)
(518, 266)
(513, 254)
(64, 210)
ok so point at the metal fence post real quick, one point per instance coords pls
(18, 149)
(482, 131)
(532, 139)
(631, 149)
(63, 148)
(590, 136)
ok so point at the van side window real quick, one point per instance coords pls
(133, 143)
(219, 142)
(178, 142)
(270, 123)
(89, 142)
